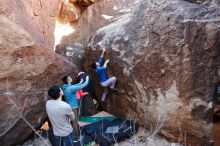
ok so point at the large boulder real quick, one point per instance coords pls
(165, 56)
(28, 68)
(69, 12)
(97, 15)
(37, 17)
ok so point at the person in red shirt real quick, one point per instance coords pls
(80, 94)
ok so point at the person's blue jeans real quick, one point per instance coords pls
(64, 141)
(51, 136)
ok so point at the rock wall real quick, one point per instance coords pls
(28, 65)
(37, 17)
(165, 55)
(27, 70)
(69, 13)
(97, 15)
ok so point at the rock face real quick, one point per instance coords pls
(69, 12)
(37, 17)
(97, 15)
(28, 68)
(211, 3)
(73, 52)
(166, 58)
(82, 2)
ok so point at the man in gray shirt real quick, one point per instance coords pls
(60, 114)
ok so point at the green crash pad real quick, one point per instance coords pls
(95, 119)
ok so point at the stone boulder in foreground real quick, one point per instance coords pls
(27, 70)
(166, 58)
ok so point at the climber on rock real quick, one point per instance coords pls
(60, 114)
(100, 69)
(70, 90)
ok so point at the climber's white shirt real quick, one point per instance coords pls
(60, 113)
